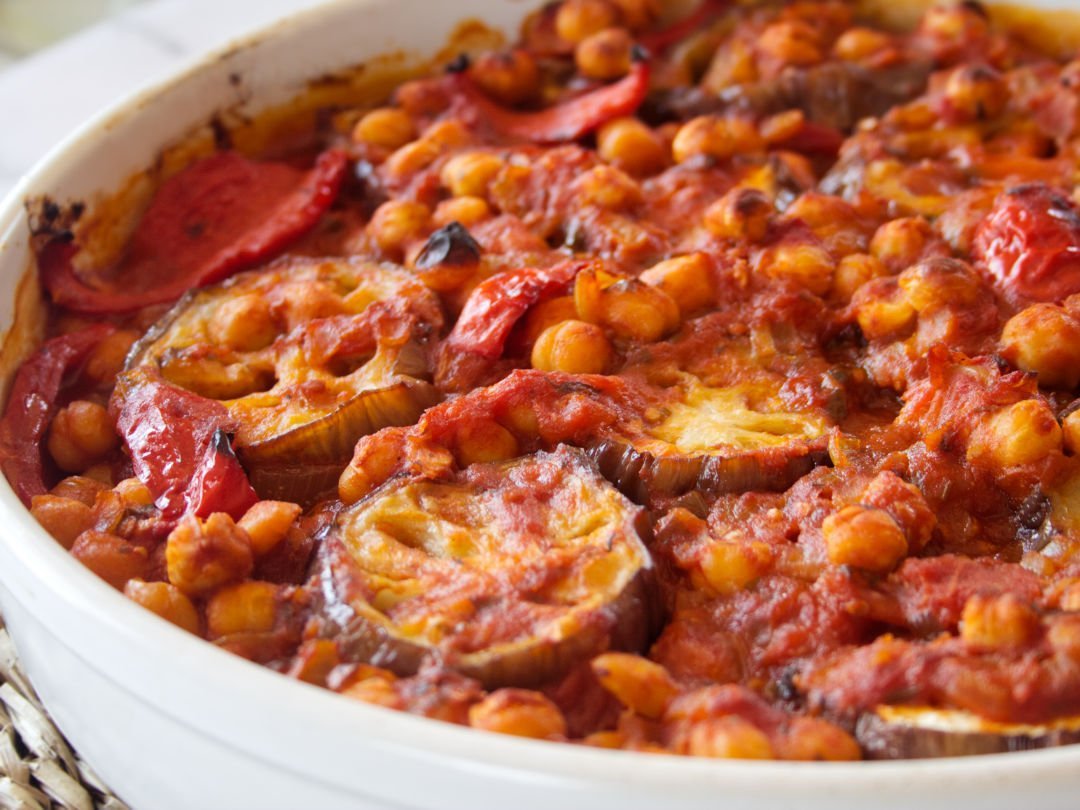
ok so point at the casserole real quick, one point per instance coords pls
(320, 764)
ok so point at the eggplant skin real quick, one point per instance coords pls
(513, 574)
(906, 732)
(640, 474)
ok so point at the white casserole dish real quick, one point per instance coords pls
(172, 723)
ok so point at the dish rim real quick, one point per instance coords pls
(76, 588)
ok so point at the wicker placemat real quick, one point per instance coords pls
(38, 769)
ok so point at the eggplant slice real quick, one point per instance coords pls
(324, 352)
(918, 732)
(509, 573)
(717, 440)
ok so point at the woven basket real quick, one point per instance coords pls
(38, 769)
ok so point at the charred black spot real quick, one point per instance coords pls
(459, 64)
(235, 79)
(639, 53)
(222, 136)
(195, 229)
(785, 685)
(1031, 519)
(450, 246)
(976, 7)
(222, 443)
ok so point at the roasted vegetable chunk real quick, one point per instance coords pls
(307, 356)
(508, 572)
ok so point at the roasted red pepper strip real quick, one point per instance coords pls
(660, 41)
(220, 215)
(1029, 245)
(567, 121)
(497, 303)
(32, 405)
(179, 444)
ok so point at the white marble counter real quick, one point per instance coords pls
(45, 96)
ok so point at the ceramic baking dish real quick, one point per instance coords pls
(172, 723)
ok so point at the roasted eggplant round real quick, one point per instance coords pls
(508, 572)
(308, 355)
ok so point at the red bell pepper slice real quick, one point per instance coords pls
(568, 120)
(220, 215)
(660, 41)
(1029, 245)
(33, 403)
(497, 303)
(180, 448)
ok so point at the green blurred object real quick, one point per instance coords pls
(28, 25)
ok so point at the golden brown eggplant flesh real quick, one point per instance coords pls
(509, 573)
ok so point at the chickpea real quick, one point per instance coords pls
(247, 607)
(467, 211)
(578, 19)
(609, 187)
(1070, 597)
(937, 283)
(730, 567)
(639, 14)
(79, 488)
(882, 311)
(631, 146)
(511, 77)
(741, 214)
(687, 279)
(134, 492)
(107, 358)
(641, 685)
(1022, 433)
(244, 323)
(63, 518)
(1070, 428)
(905, 504)
(976, 92)
(955, 22)
(809, 266)
(396, 223)
(1064, 636)
(853, 271)
(631, 309)
(791, 42)
(411, 158)
(470, 173)
(998, 622)
(267, 522)
(729, 737)
(388, 127)
(547, 313)
(865, 538)
(715, 137)
(604, 55)
(574, 347)
(80, 435)
(481, 442)
(521, 712)
(859, 44)
(201, 556)
(899, 243)
(812, 739)
(1045, 340)
(112, 558)
(377, 691)
(732, 63)
(166, 600)
(449, 133)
